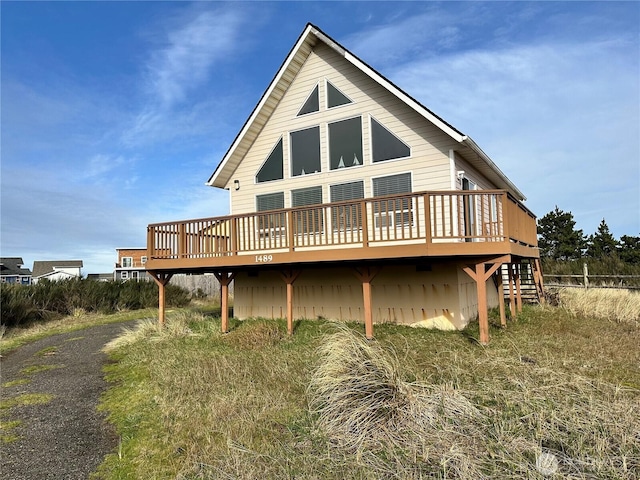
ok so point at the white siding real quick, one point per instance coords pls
(429, 162)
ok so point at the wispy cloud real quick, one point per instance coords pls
(190, 53)
(547, 112)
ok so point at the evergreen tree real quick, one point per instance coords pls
(602, 244)
(629, 249)
(557, 237)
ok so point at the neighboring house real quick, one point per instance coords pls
(131, 264)
(13, 271)
(352, 201)
(56, 270)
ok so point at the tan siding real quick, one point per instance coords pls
(400, 294)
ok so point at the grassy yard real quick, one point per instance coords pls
(555, 395)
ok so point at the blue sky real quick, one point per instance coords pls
(115, 114)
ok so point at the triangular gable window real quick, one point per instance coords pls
(335, 97)
(385, 145)
(272, 167)
(312, 104)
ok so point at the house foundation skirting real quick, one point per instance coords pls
(436, 295)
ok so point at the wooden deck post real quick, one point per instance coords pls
(290, 276)
(512, 298)
(518, 287)
(481, 275)
(503, 316)
(366, 275)
(161, 278)
(225, 279)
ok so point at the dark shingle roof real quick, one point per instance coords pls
(13, 266)
(42, 267)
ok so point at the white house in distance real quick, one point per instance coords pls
(56, 270)
(352, 201)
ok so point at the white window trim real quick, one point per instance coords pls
(307, 98)
(326, 95)
(122, 262)
(255, 177)
(378, 217)
(124, 275)
(290, 147)
(328, 136)
(143, 259)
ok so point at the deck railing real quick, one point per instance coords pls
(425, 217)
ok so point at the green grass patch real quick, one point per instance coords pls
(15, 383)
(33, 369)
(46, 352)
(6, 431)
(18, 336)
(25, 399)
(552, 390)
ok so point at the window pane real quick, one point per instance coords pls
(305, 151)
(385, 145)
(347, 191)
(307, 220)
(345, 143)
(306, 196)
(395, 211)
(391, 185)
(335, 97)
(312, 104)
(270, 201)
(346, 216)
(272, 167)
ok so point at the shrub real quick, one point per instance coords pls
(29, 303)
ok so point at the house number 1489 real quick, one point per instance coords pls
(264, 258)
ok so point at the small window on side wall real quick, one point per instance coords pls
(272, 168)
(385, 145)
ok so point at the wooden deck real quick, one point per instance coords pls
(425, 224)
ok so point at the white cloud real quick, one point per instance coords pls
(190, 54)
(561, 120)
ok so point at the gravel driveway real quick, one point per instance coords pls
(66, 437)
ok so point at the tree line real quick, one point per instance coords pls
(564, 248)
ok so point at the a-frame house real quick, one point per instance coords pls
(352, 201)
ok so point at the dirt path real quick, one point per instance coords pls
(61, 435)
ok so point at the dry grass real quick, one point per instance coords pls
(606, 303)
(532, 422)
(326, 403)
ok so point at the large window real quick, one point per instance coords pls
(309, 219)
(272, 167)
(394, 211)
(127, 262)
(347, 215)
(385, 145)
(305, 151)
(345, 143)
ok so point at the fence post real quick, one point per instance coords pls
(585, 275)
